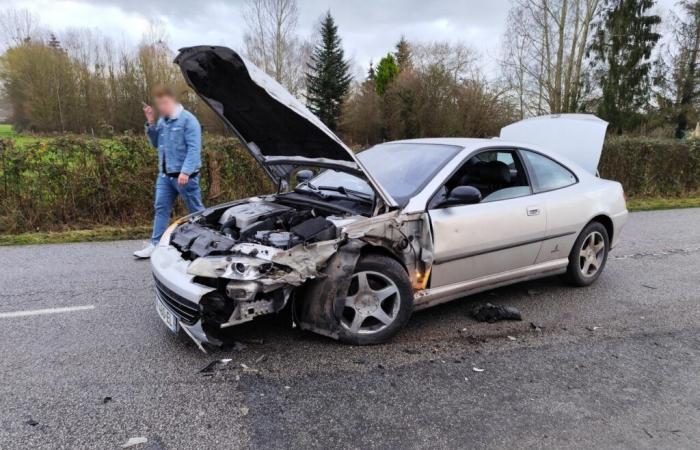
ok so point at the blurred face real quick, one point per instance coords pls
(165, 105)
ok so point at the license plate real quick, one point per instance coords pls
(168, 318)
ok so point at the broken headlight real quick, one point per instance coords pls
(243, 268)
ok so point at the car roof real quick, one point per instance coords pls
(473, 144)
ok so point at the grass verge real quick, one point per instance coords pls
(143, 232)
(62, 237)
(6, 130)
(651, 204)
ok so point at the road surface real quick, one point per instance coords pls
(616, 365)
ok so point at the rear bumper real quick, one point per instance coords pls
(174, 288)
(619, 221)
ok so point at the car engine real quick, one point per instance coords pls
(216, 231)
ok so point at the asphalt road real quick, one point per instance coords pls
(616, 365)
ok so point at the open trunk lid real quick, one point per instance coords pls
(577, 137)
(276, 128)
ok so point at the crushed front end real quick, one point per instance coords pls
(230, 264)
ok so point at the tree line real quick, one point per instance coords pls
(614, 58)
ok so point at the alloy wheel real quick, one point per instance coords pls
(372, 303)
(592, 254)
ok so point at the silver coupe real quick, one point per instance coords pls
(353, 243)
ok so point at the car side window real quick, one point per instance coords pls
(547, 173)
(497, 174)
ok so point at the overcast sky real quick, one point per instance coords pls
(368, 28)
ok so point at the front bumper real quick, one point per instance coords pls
(176, 289)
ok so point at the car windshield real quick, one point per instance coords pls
(403, 169)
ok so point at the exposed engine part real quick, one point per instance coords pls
(242, 291)
(195, 241)
(280, 239)
(248, 213)
(256, 305)
(316, 229)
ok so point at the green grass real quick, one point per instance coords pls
(61, 237)
(6, 130)
(651, 204)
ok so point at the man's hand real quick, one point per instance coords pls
(150, 115)
(183, 179)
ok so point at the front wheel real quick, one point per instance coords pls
(379, 301)
(589, 255)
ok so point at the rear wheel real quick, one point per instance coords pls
(589, 255)
(379, 301)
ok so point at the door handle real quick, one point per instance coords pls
(533, 210)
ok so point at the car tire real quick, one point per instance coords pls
(588, 256)
(379, 302)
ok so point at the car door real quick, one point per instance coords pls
(501, 233)
(554, 186)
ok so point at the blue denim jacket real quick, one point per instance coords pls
(179, 141)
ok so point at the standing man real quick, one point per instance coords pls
(178, 137)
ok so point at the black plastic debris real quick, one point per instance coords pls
(32, 422)
(214, 365)
(106, 400)
(492, 313)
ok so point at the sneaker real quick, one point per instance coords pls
(145, 253)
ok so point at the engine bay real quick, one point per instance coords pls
(217, 230)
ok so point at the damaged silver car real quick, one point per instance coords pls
(354, 243)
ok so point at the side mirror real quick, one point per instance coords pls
(304, 176)
(463, 195)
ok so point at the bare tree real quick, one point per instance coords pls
(458, 59)
(17, 26)
(272, 43)
(543, 55)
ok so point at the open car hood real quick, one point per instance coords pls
(577, 137)
(276, 128)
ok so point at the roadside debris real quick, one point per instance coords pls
(491, 313)
(592, 328)
(476, 369)
(106, 400)
(649, 286)
(244, 410)
(261, 359)
(411, 351)
(134, 441)
(248, 369)
(215, 365)
(32, 422)
(537, 328)
(512, 338)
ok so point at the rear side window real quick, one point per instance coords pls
(548, 174)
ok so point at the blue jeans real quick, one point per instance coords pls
(167, 191)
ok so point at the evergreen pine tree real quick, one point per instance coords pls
(328, 79)
(387, 70)
(622, 49)
(371, 74)
(403, 56)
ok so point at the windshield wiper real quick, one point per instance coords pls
(310, 189)
(348, 193)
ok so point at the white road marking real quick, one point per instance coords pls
(38, 312)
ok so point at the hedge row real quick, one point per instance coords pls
(78, 182)
(653, 167)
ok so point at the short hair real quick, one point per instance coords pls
(163, 90)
